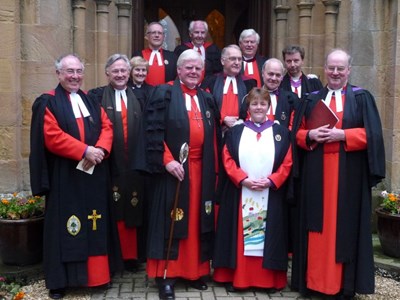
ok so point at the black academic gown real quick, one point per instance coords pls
(275, 245)
(70, 192)
(308, 85)
(142, 93)
(127, 185)
(359, 171)
(165, 120)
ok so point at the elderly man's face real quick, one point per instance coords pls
(198, 34)
(249, 46)
(232, 62)
(118, 74)
(337, 70)
(190, 72)
(71, 74)
(272, 75)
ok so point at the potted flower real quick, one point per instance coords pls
(21, 228)
(389, 223)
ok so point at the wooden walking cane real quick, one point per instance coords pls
(183, 155)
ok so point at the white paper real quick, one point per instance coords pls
(89, 171)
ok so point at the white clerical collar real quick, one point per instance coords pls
(157, 54)
(118, 95)
(272, 107)
(78, 106)
(228, 81)
(249, 66)
(338, 98)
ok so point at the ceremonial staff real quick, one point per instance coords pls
(183, 155)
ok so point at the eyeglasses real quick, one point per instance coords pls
(71, 72)
(337, 69)
(155, 33)
(233, 59)
(117, 71)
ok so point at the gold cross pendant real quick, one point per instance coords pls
(94, 218)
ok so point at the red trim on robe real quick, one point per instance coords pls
(156, 73)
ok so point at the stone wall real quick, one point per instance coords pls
(35, 33)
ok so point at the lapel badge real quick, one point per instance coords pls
(208, 115)
(134, 200)
(178, 215)
(166, 62)
(208, 207)
(278, 137)
(116, 195)
(73, 225)
(283, 116)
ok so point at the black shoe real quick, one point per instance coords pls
(198, 284)
(56, 293)
(166, 292)
(229, 288)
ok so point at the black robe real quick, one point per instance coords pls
(70, 192)
(260, 63)
(308, 85)
(142, 93)
(275, 244)
(165, 120)
(359, 171)
(127, 185)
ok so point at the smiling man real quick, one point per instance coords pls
(125, 112)
(198, 31)
(184, 113)
(341, 165)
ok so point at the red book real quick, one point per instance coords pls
(321, 115)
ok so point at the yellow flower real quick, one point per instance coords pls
(20, 295)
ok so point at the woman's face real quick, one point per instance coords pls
(139, 74)
(258, 108)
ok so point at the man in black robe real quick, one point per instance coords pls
(352, 155)
(70, 138)
(125, 112)
(295, 80)
(177, 114)
(210, 52)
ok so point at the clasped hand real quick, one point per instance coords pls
(175, 169)
(93, 156)
(324, 134)
(257, 184)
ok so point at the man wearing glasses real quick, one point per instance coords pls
(230, 87)
(71, 137)
(162, 63)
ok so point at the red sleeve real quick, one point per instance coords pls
(301, 136)
(279, 177)
(236, 174)
(168, 157)
(59, 142)
(356, 139)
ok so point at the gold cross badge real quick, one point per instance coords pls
(94, 218)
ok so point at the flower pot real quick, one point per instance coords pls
(389, 232)
(21, 241)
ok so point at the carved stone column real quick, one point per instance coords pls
(79, 28)
(281, 12)
(331, 11)
(102, 13)
(124, 9)
(305, 12)
(137, 25)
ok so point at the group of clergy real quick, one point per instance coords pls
(201, 155)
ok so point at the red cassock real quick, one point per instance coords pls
(156, 74)
(62, 144)
(188, 264)
(323, 273)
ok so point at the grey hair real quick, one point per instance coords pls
(189, 54)
(192, 23)
(249, 32)
(349, 58)
(59, 65)
(117, 56)
(231, 46)
(269, 61)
